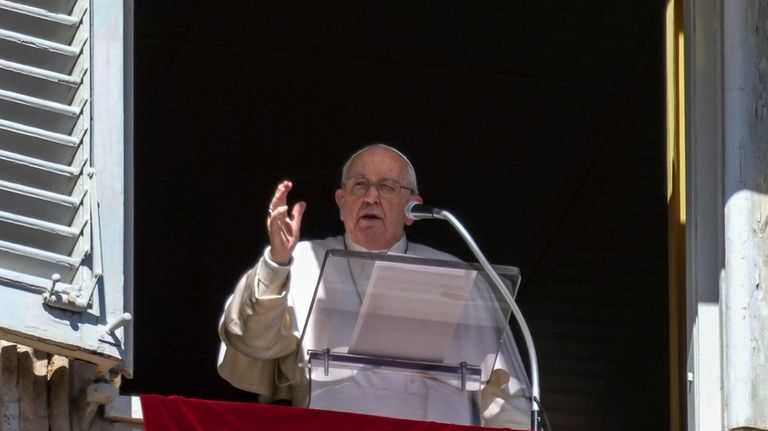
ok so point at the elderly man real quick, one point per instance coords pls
(263, 319)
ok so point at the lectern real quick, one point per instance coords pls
(404, 336)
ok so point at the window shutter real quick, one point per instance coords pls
(62, 180)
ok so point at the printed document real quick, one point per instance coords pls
(411, 311)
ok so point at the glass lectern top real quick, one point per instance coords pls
(408, 308)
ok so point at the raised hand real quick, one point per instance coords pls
(283, 226)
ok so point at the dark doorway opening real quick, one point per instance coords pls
(539, 124)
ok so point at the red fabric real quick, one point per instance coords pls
(182, 414)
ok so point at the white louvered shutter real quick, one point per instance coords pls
(62, 186)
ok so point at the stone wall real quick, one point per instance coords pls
(41, 391)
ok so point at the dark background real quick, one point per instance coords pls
(540, 125)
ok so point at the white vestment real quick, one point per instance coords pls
(263, 322)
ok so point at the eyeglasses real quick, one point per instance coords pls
(386, 188)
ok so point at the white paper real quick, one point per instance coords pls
(410, 311)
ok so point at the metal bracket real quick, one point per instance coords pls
(326, 361)
(119, 323)
(71, 298)
(464, 367)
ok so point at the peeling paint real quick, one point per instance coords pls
(761, 218)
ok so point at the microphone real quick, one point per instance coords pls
(417, 211)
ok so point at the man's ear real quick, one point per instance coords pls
(413, 198)
(340, 196)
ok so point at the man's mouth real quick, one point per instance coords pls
(370, 217)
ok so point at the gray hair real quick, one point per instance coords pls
(408, 165)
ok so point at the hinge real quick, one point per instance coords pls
(71, 297)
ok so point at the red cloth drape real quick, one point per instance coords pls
(176, 413)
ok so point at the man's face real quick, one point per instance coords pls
(373, 221)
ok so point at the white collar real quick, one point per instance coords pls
(400, 247)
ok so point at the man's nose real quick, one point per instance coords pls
(372, 195)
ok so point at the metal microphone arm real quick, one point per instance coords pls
(535, 391)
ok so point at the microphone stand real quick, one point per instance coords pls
(535, 391)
